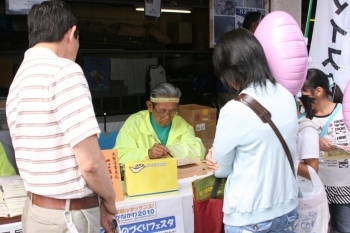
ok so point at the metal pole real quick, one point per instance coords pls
(307, 26)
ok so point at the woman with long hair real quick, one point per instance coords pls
(261, 193)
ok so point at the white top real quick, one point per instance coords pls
(308, 148)
(49, 111)
(260, 184)
(308, 144)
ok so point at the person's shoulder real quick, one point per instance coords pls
(137, 117)
(180, 120)
(234, 107)
(69, 65)
(306, 125)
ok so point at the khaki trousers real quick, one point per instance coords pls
(38, 220)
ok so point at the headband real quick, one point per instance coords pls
(161, 99)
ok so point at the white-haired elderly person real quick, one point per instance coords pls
(159, 131)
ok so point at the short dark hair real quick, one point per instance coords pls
(316, 78)
(239, 59)
(50, 21)
(250, 18)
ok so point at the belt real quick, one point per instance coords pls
(59, 204)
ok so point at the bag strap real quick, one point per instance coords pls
(215, 189)
(330, 119)
(265, 116)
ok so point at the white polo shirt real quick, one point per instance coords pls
(49, 111)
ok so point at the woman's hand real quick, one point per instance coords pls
(326, 145)
(211, 163)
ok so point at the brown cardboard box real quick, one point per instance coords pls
(190, 170)
(202, 118)
(3, 103)
(180, 32)
(208, 144)
(112, 161)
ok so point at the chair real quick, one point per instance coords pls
(107, 140)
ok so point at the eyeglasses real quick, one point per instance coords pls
(164, 112)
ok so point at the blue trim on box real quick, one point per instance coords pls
(170, 191)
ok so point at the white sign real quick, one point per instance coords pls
(11, 228)
(152, 8)
(152, 216)
(330, 45)
(23, 4)
(200, 127)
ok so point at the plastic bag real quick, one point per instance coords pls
(313, 206)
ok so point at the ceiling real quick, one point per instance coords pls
(182, 3)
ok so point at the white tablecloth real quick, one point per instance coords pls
(185, 193)
(113, 123)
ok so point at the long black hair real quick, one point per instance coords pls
(239, 60)
(316, 78)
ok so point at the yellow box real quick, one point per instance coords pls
(151, 178)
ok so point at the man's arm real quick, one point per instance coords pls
(184, 143)
(189, 146)
(93, 167)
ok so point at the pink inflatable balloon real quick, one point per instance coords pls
(285, 49)
(346, 106)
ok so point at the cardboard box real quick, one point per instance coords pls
(202, 118)
(112, 161)
(208, 144)
(153, 177)
(190, 170)
(180, 32)
(2, 103)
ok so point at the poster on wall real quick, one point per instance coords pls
(97, 73)
(20, 7)
(152, 9)
(226, 15)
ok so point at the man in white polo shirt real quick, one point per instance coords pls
(54, 130)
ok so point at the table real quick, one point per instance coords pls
(184, 220)
(11, 225)
(113, 123)
(176, 207)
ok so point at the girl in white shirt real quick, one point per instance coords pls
(335, 174)
(307, 140)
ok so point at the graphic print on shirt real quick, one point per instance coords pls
(340, 132)
(336, 133)
(343, 163)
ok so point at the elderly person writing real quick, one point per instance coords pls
(158, 132)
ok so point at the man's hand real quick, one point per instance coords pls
(211, 163)
(158, 151)
(326, 145)
(108, 211)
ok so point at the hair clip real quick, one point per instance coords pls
(330, 83)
